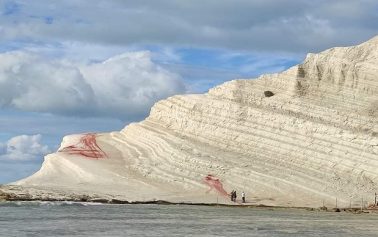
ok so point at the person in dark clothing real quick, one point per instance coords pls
(233, 195)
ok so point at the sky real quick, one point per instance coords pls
(78, 66)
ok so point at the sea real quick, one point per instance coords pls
(84, 219)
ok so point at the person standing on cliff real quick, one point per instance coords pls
(232, 195)
(243, 196)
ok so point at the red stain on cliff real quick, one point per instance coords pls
(87, 146)
(213, 182)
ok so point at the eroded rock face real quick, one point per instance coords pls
(316, 139)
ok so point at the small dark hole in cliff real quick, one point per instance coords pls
(268, 93)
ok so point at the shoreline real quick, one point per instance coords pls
(18, 194)
(163, 202)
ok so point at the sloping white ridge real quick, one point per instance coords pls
(315, 139)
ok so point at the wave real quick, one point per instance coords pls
(46, 203)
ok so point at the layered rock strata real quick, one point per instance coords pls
(298, 138)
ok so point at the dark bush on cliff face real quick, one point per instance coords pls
(268, 93)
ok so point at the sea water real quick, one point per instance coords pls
(81, 219)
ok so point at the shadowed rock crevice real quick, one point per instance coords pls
(268, 93)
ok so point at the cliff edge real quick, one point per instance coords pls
(298, 138)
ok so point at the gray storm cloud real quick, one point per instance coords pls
(287, 25)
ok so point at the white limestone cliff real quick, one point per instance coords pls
(313, 137)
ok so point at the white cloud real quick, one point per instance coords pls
(130, 83)
(30, 83)
(23, 148)
(124, 86)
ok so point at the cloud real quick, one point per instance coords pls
(23, 148)
(268, 25)
(30, 83)
(130, 83)
(124, 86)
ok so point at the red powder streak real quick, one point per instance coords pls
(87, 146)
(214, 182)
